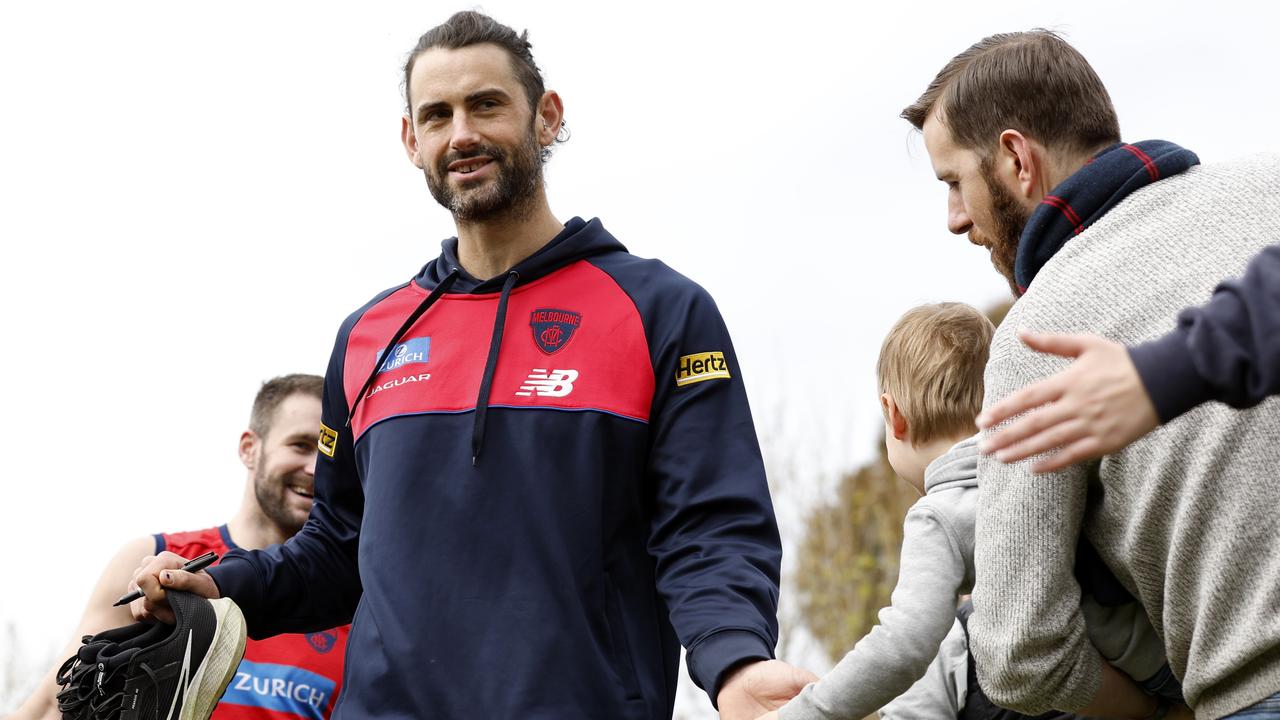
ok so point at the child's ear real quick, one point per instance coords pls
(897, 423)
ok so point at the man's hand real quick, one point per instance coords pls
(154, 575)
(1099, 405)
(757, 687)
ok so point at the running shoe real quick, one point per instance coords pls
(153, 671)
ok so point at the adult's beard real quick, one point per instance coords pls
(1008, 219)
(271, 492)
(509, 194)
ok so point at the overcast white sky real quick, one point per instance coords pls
(193, 196)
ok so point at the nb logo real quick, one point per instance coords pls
(556, 383)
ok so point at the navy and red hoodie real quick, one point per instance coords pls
(531, 491)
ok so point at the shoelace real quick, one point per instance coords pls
(111, 706)
(78, 680)
(84, 695)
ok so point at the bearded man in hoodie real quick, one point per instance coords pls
(539, 475)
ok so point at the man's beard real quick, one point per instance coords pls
(510, 193)
(271, 492)
(1008, 219)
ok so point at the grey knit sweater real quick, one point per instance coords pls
(1188, 518)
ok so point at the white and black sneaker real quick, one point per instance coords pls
(156, 672)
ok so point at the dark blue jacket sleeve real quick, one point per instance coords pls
(1227, 349)
(713, 531)
(310, 582)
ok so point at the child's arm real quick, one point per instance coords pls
(896, 653)
(942, 691)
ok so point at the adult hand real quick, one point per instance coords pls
(1098, 405)
(154, 575)
(1180, 712)
(757, 687)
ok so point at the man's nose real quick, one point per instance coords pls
(310, 467)
(465, 136)
(958, 220)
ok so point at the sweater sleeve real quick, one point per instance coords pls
(1027, 633)
(896, 653)
(1227, 349)
(311, 582)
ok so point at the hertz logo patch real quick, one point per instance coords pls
(328, 441)
(701, 366)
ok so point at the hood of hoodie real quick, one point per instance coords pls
(579, 239)
(957, 467)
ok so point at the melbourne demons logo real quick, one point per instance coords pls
(553, 329)
(323, 642)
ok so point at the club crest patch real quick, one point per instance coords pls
(323, 642)
(553, 329)
(328, 441)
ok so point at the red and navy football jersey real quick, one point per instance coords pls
(549, 483)
(284, 677)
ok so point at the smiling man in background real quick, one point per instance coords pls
(279, 455)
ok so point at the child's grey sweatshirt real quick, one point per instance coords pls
(936, 566)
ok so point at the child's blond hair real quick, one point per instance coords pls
(931, 363)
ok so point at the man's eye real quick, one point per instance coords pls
(486, 104)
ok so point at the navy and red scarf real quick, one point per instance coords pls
(1077, 202)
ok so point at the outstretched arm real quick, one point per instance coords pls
(896, 653)
(712, 529)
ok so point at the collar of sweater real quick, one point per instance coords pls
(1077, 202)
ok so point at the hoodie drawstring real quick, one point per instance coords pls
(486, 381)
(423, 306)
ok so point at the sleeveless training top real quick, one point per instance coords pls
(285, 677)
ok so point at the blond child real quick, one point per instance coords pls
(930, 375)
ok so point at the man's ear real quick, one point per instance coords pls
(1019, 166)
(548, 118)
(249, 442)
(897, 423)
(410, 141)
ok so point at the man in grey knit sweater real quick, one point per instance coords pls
(1103, 237)
(930, 374)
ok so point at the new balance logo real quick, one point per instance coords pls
(556, 383)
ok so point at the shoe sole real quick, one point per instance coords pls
(220, 663)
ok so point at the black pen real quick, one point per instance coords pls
(196, 565)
